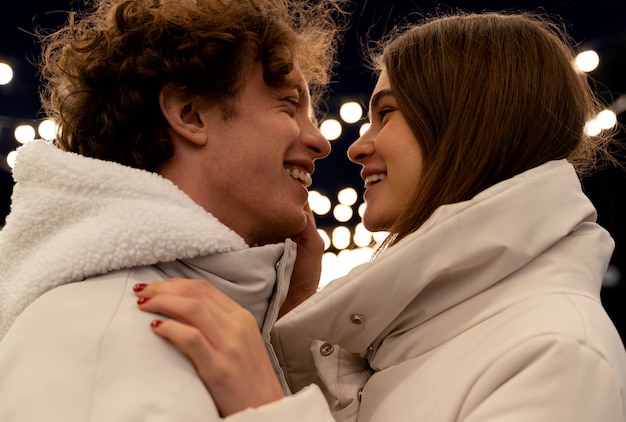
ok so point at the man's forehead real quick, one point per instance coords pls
(295, 79)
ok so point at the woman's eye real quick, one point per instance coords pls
(384, 112)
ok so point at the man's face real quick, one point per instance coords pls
(257, 164)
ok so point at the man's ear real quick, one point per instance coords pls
(182, 114)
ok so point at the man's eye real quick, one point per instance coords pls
(293, 100)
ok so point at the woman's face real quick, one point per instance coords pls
(391, 159)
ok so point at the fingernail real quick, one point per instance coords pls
(142, 300)
(156, 323)
(139, 287)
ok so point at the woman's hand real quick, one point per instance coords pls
(219, 337)
(308, 267)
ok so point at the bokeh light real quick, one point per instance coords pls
(351, 112)
(24, 133)
(331, 129)
(587, 61)
(47, 129)
(6, 74)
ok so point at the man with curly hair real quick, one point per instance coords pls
(186, 145)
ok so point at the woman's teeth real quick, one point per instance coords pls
(373, 178)
(300, 175)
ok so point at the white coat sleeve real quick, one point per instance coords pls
(549, 378)
(307, 405)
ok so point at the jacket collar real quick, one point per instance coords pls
(257, 278)
(463, 249)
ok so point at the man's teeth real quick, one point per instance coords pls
(373, 178)
(300, 175)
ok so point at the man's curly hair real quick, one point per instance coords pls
(104, 69)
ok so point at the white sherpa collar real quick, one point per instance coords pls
(73, 217)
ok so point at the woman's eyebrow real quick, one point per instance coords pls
(376, 98)
(379, 96)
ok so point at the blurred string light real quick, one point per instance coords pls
(605, 120)
(325, 238)
(364, 127)
(331, 129)
(379, 236)
(361, 209)
(619, 105)
(587, 61)
(592, 128)
(612, 277)
(345, 246)
(11, 156)
(320, 204)
(338, 265)
(362, 237)
(347, 196)
(351, 112)
(48, 129)
(6, 73)
(24, 133)
(341, 237)
(342, 213)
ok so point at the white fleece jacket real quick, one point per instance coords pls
(74, 217)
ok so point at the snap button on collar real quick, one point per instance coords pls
(326, 349)
(357, 319)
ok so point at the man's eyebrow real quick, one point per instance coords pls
(294, 84)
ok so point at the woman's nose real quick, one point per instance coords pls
(361, 149)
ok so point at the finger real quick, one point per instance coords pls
(191, 288)
(203, 315)
(193, 337)
(184, 310)
(186, 337)
(189, 340)
(179, 286)
(309, 234)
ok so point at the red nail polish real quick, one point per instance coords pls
(139, 287)
(156, 323)
(142, 300)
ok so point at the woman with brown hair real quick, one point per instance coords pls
(483, 303)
